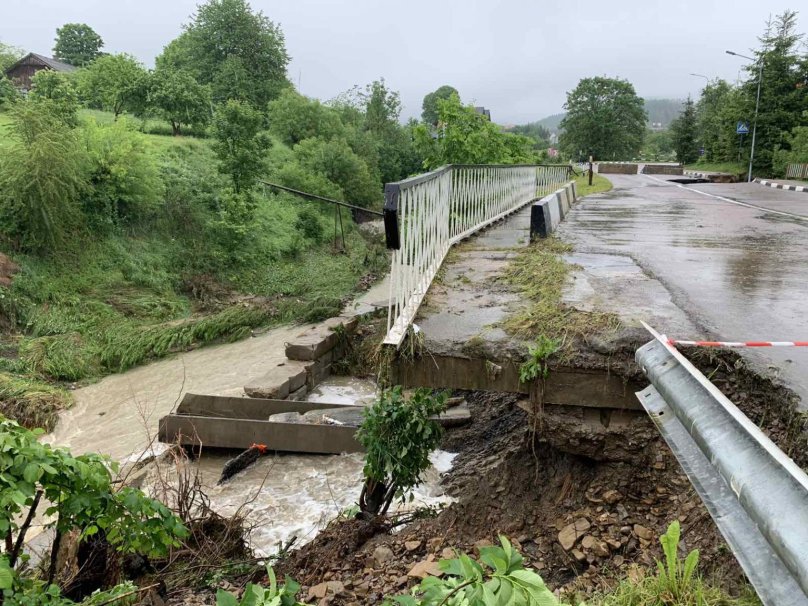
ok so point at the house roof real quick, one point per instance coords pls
(54, 64)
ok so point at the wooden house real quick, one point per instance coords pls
(23, 70)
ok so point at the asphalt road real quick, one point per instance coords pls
(734, 258)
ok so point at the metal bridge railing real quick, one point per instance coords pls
(797, 171)
(426, 214)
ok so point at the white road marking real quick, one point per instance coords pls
(731, 201)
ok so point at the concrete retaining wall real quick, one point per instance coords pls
(616, 168)
(662, 169)
(546, 214)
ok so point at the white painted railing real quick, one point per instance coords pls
(425, 215)
(797, 171)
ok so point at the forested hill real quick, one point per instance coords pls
(659, 110)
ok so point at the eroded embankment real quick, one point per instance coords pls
(583, 522)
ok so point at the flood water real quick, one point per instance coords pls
(282, 495)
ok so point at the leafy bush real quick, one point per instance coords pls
(8, 92)
(338, 163)
(501, 578)
(77, 493)
(308, 223)
(42, 176)
(293, 175)
(125, 179)
(57, 92)
(398, 436)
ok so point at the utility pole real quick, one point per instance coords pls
(757, 107)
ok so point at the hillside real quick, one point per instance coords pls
(659, 110)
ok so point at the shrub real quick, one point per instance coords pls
(398, 436)
(308, 223)
(58, 93)
(239, 143)
(294, 118)
(126, 184)
(8, 92)
(338, 163)
(42, 176)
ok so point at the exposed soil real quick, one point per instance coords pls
(508, 480)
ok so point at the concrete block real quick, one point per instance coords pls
(540, 222)
(268, 387)
(574, 190)
(299, 395)
(315, 341)
(563, 202)
(555, 211)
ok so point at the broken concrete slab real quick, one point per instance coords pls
(316, 341)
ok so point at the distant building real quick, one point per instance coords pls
(485, 112)
(23, 70)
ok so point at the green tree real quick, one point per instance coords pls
(658, 146)
(336, 161)
(684, 132)
(711, 109)
(178, 98)
(9, 55)
(429, 107)
(239, 53)
(77, 44)
(605, 117)
(112, 83)
(239, 143)
(398, 435)
(782, 98)
(58, 92)
(467, 137)
(293, 118)
(42, 178)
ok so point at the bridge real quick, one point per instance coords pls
(695, 260)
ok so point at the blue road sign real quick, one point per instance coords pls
(742, 128)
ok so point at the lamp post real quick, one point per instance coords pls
(700, 76)
(757, 106)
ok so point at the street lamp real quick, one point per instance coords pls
(700, 76)
(757, 105)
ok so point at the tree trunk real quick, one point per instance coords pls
(175, 127)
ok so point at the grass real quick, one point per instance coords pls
(31, 402)
(718, 167)
(599, 185)
(540, 274)
(125, 295)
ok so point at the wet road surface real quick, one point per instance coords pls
(732, 256)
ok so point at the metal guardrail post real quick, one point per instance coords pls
(756, 494)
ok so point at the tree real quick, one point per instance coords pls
(712, 126)
(239, 53)
(179, 99)
(684, 131)
(336, 161)
(9, 55)
(429, 108)
(467, 137)
(77, 44)
(111, 83)
(293, 118)
(58, 91)
(605, 117)
(239, 143)
(42, 177)
(8, 92)
(398, 436)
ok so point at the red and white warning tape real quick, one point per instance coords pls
(739, 343)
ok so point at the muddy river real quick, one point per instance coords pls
(283, 496)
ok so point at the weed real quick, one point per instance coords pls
(540, 273)
(535, 367)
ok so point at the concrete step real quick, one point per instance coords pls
(279, 382)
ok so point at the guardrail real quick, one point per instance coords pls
(757, 496)
(426, 214)
(797, 171)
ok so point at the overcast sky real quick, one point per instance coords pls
(516, 57)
